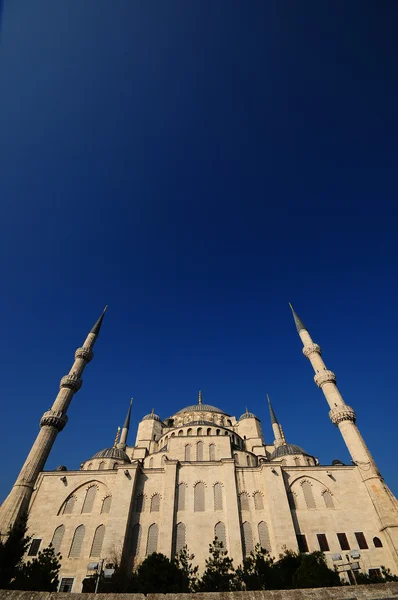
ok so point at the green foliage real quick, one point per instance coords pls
(258, 571)
(313, 572)
(12, 551)
(183, 560)
(157, 574)
(219, 574)
(39, 574)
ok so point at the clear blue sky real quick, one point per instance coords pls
(196, 166)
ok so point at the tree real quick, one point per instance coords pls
(157, 574)
(12, 551)
(258, 571)
(39, 574)
(219, 574)
(183, 560)
(313, 572)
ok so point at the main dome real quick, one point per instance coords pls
(287, 449)
(202, 408)
(114, 453)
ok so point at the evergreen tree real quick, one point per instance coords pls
(219, 574)
(157, 574)
(39, 574)
(258, 571)
(313, 572)
(12, 551)
(189, 573)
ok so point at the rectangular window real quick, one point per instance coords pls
(302, 542)
(344, 545)
(375, 574)
(66, 584)
(323, 542)
(361, 540)
(34, 547)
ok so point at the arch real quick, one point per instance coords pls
(58, 537)
(180, 433)
(243, 501)
(69, 505)
(101, 466)
(115, 465)
(173, 434)
(199, 451)
(217, 491)
(187, 452)
(152, 540)
(217, 432)
(181, 489)
(106, 504)
(219, 533)
(89, 466)
(155, 503)
(89, 499)
(136, 539)
(247, 538)
(189, 431)
(199, 431)
(98, 539)
(208, 432)
(140, 503)
(308, 495)
(151, 462)
(328, 499)
(258, 501)
(263, 536)
(77, 542)
(212, 452)
(377, 542)
(164, 458)
(296, 461)
(309, 461)
(229, 423)
(226, 433)
(179, 537)
(199, 496)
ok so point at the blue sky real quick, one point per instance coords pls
(196, 166)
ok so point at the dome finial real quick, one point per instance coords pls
(153, 411)
(199, 397)
(247, 410)
(115, 443)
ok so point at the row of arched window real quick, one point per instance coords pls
(309, 499)
(199, 498)
(101, 466)
(247, 537)
(199, 431)
(78, 539)
(244, 501)
(88, 503)
(199, 452)
(141, 500)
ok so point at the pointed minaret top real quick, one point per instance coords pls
(199, 397)
(117, 438)
(274, 420)
(299, 324)
(97, 326)
(127, 420)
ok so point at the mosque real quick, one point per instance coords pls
(202, 473)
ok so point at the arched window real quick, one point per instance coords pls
(89, 466)
(219, 533)
(199, 432)
(208, 431)
(179, 537)
(296, 461)
(97, 541)
(151, 462)
(106, 504)
(189, 432)
(328, 499)
(69, 505)
(263, 536)
(180, 433)
(77, 542)
(199, 497)
(152, 541)
(377, 542)
(236, 458)
(155, 503)
(58, 537)
(140, 503)
(308, 495)
(218, 496)
(248, 461)
(309, 462)
(188, 452)
(199, 451)
(115, 465)
(226, 433)
(217, 432)
(136, 539)
(181, 496)
(173, 434)
(101, 466)
(229, 423)
(247, 538)
(89, 499)
(258, 501)
(244, 501)
(212, 452)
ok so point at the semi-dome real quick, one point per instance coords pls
(114, 453)
(287, 449)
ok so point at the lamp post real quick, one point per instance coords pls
(99, 573)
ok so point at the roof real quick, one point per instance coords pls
(247, 415)
(115, 453)
(202, 408)
(287, 449)
(151, 416)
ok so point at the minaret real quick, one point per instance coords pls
(52, 422)
(343, 416)
(276, 427)
(125, 430)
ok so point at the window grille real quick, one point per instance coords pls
(247, 538)
(263, 536)
(101, 466)
(34, 547)
(323, 542)
(302, 542)
(343, 541)
(362, 543)
(258, 501)
(77, 542)
(377, 542)
(218, 496)
(69, 505)
(152, 541)
(308, 495)
(219, 533)
(89, 499)
(179, 537)
(136, 539)
(188, 452)
(140, 503)
(181, 496)
(199, 451)
(328, 499)
(199, 497)
(66, 584)
(155, 503)
(244, 501)
(57, 538)
(97, 541)
(212, 452)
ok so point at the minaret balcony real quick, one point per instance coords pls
(71, 381)
(324, 377)
(310, 349)
(342, 413)
(85, 354)
(53, 418)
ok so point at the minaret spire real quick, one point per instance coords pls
(126, 426)
(298, 322)
(52, 422)
(276, 427)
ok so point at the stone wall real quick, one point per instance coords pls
(387, 591)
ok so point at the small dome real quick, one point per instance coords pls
(287, 449)
(151, 416)
(336, 461)
(61, 468)
(247, 415)
(115, 453)
(202, 408)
